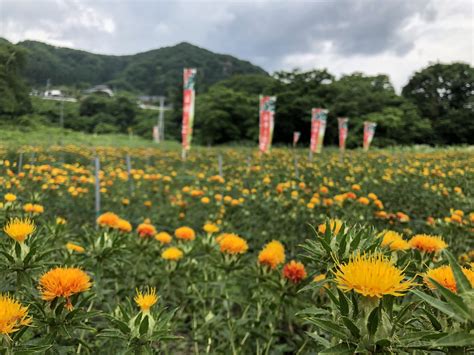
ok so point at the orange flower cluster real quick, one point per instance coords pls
(63, 282)
(272, 255)
(111, 220)
(294, 271)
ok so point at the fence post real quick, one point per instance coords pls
(219, 161)
(20, 162)
(129, 170)
(97, 188)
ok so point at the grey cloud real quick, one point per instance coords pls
(263, 31)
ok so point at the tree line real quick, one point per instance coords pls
(435, 107)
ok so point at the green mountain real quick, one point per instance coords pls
(155, 72)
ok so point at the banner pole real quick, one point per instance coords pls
(219, 162)
(20, 162)
(129, 171)
(97, 189)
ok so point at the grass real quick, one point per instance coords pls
(13, 137)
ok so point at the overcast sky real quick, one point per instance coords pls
(396, 37)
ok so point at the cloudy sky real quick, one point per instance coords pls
(396, 37)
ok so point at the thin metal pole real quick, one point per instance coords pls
(161, 121)
(97, 189)
(61, 117)
(20, 162)
(129, 170)
(296, 166)
(219, 161)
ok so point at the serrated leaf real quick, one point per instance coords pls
(462, 283)
(440, 305)
(351, 326)
(144, 325)
(455, 301)
(313, 311)
(319, 339)
(342, 348)
(455, 339)
(373, 321)
(434, 322)
(329, 326)
(343, 303)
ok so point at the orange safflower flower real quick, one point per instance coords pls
(445, 277)
(427, 243)
(233, 244)
(19, 229)
(124, 225)
(185, 233)
(63, 282)
(394, 241)
(273, 254)
(294, 271)
(146, 230)
(108, 219)
(371, 275)
(12, 315)
(146, 300)
(163, 238)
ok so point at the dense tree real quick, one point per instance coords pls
(14, 94)
(224, 115)
(444, 93)
(107, 115)
(356, 96)
(255, 84)
(373, 98)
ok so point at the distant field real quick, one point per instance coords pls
(47, 136)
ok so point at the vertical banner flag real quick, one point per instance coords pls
(296, 138)
(369, 131)
(267, 122)
(318, 128)
(156, 135)
(189, 78)
(342, 122)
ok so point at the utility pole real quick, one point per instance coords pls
(161, 121)
(61, 117)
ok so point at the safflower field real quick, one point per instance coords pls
(362, 253)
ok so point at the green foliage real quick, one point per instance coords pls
(14, 99)
(443, 93)
(224, 115)
(356, 96)
(353, 323)
(107, 115)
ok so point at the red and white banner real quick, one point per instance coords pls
(318, 128)
(296, 138)
(369, 131)
(267, 122)
(342, 123)
(189, 79)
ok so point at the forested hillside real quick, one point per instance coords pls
(154, 72)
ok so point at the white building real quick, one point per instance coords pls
(53, 93)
